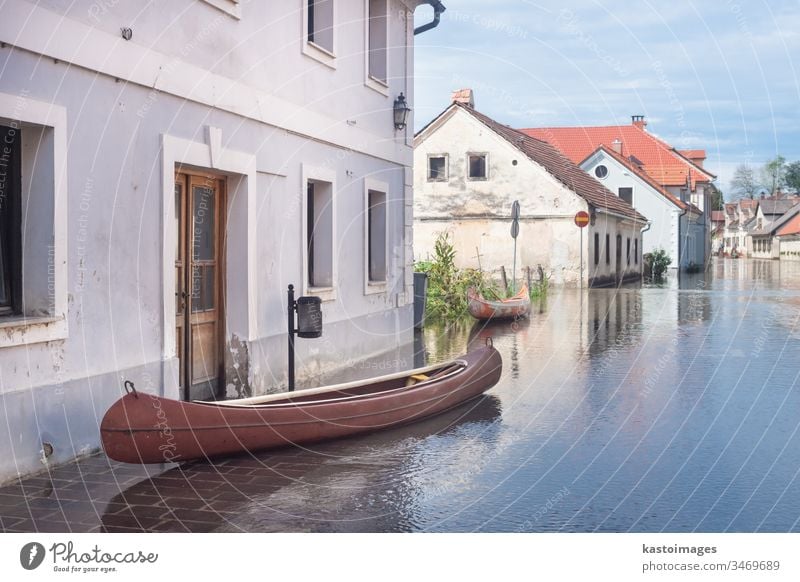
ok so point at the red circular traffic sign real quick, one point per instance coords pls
(582, 219)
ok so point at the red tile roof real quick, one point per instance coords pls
(644, 176)
(659, 160)
(717, 216)
(693, 154)
(559, 166)
(791, 227)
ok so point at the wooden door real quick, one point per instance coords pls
(199, 321)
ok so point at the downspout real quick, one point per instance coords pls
(680, 235)
(438, 8)
(643, 230)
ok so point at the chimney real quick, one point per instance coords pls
(638, 121)
(464, 96)
(616, 145)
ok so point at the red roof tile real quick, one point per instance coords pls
(791, 227)
(717, 216)
(559, 166)
(662, 162)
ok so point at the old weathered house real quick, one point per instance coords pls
(678, 172)
(469, 169)
(169, 169)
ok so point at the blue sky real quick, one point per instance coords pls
(717, 75)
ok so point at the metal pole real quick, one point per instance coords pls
(581, 258)
(514, 269)
(290, 311)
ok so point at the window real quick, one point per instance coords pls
(437, 168)
(376, 236)
(628, 250)
(319, 233)
(10, 221)
(627, 195)
(608, 249)
(601, 171)
(476, 166)
(636, 251)
(596, 248)
(377, 32)
(33, 225)
(319, 23)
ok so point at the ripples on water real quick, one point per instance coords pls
(652, 409)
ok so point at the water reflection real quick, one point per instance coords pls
(370, 483)
(651, 409)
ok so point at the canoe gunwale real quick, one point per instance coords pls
(287, 395)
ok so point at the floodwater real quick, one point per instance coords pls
(639, 409)
(648, 409)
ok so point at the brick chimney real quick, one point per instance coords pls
(616, 145)
(464, 96)
(638, 121)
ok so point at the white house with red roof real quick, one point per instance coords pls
(788, 239)
(469, 169)
(675, 226)
(680, 172)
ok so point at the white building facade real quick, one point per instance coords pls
(675, 225)
(170, 168)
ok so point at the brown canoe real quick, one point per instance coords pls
(142, 428)
(517, 306)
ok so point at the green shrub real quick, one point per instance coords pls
(448, 285)
(656, 264)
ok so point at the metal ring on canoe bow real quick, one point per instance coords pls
(131, 389)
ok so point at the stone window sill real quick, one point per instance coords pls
(19, 330)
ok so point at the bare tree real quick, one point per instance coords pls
(743, 183)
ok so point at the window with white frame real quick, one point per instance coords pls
(477, 166)
(626, 193)
(319, 24)
(376, 236)
(33, 292)
(377, 40)
(319, 233)
(437, 168)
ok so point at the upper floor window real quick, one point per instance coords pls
(319, 24)
(377, 36)
(627, 195)
(601, 171)
(437, 168)
(477, 167)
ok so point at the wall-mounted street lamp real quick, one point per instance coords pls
(401, 110)
(309, 323)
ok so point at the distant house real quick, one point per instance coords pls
(679, 172)
(717, 231)
(751, 225)
(788, 239)
(468, 170)
(771, 215)
(675, 226)
(739, 220)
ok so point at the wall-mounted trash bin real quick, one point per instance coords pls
(420, 295)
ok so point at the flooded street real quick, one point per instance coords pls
(619, 410)
(644, 410)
